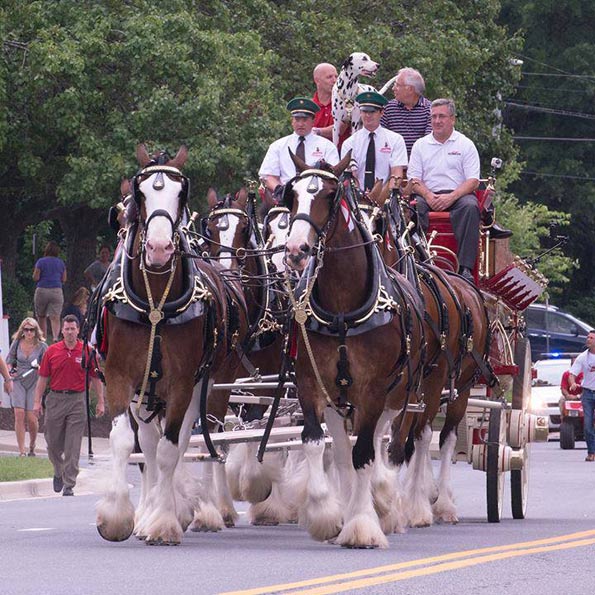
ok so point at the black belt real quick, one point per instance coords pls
(67, 392)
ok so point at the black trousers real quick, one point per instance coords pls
(464, 218)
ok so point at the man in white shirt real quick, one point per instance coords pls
(277, 166)
(585, 363)
(377, 153)
(444, 172)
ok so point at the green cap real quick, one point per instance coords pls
(370, 101)
(302, 106)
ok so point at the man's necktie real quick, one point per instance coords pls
(369, 175)
(301, 151)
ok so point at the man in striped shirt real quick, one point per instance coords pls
(409, 112)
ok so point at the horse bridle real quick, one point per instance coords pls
(158, 184)
(313, 188)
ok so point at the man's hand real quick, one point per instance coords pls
(440, 202)
(8, 386)
(37, 410)
(100, 409)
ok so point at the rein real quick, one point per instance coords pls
(155, 317)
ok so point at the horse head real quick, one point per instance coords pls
(275, 226)
(227, 227)
(160, 191)
(310, 197)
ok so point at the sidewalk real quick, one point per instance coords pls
(42, 488)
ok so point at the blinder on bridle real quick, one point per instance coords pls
(159, 166)
(221, 212)
(314, 186)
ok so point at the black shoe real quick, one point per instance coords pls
(58, 484)
(67, 492)
(466, 274)
(499, 233)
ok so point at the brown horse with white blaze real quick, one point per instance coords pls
(165, 324)
(358, 329)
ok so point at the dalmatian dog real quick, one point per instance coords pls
(347, 88)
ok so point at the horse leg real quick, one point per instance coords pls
(419, 481)
(342, 451)
(115, 512)
(444, 508)
(163, 526)
(320, 512)
(361, 528)
(148, 437)
(386, 489)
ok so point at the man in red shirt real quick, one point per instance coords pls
(572, 394)
(325, 75)
(65, 413)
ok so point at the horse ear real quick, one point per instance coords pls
(142, 155)
(340, 167)
(299, 164)
(180, 158)
(383, 195)
(374, 194)
(212, 199)
(242, 197)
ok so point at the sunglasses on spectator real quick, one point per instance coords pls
(29, 330)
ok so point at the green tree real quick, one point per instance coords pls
(555, 100)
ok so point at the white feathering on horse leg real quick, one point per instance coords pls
(444, 508)
(233, 468)
(419, 482)
(223, 495)
(362, 527)
(256, 478)
(341, 451)
(386, 490)
(206, 515)
(163, 526)
(115, 512)
(320, 513)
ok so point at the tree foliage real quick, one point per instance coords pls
(89, 80)
(555, 100)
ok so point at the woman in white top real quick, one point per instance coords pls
(23, 359)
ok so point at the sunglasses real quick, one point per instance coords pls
(28, 330)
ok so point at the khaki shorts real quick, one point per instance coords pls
(48, 301)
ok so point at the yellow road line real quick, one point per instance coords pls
(442, 564)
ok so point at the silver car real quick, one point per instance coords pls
(545, 389)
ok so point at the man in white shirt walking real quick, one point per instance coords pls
(585, 363)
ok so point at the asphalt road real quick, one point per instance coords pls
(51, 546)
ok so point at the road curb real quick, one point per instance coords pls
(38, 488)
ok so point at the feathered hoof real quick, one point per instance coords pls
(160, 541)
(115, 522)
(362, 532)
(111, 532)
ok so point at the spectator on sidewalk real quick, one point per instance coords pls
(6, 375)
(65, 408)
(24, 356)
(78, 305)
(50, 274)
(96, 270)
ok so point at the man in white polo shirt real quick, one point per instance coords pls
(585, 363)
(443, 172)
(277, 166)
(378, 153)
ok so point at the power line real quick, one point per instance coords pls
(556, 138)
(539, 173)
(576, 76)
(549, 110)
(559, 89)
(543, 64)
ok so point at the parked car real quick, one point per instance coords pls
(545, 389)
(553, 332)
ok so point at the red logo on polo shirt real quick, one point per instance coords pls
(386, 148)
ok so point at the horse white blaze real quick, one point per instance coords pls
(159, 232)
(226, 237)
(279, 238)
(302, 233)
